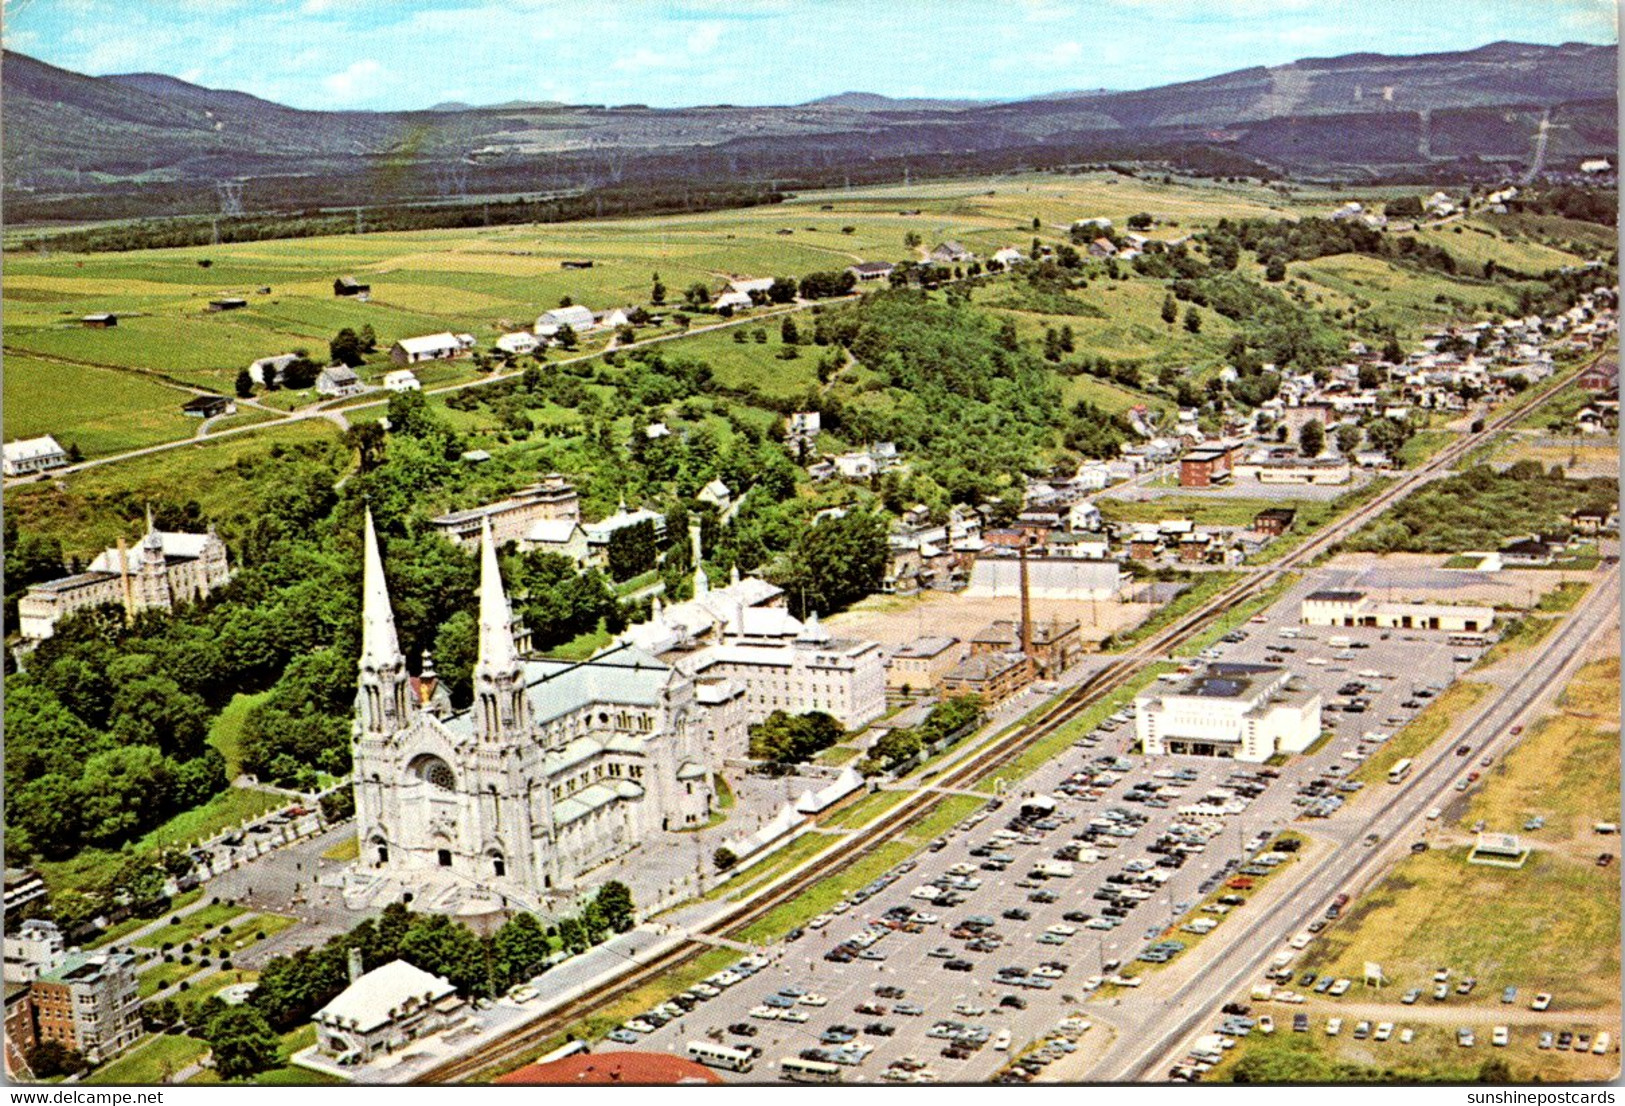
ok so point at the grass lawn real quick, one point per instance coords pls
(219, 981)
(162, 975)
(130, 925)
(1422, 731)
(1519, 635)
(229, 808)
(780, 862)
(1237, 616)
(1566, 597)
(1421, 446)
(837, 755)
(948, 813)
(1565, 769)
(100, 410)
(346, 850)
(188, 928)
(582, 647)
(282, 1076)
(150, 1060)
(865, 809)
(226, 730)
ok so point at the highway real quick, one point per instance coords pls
(1164, 1033)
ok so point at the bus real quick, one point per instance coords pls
(797, 1070)
(1398, 772)
(719, 1056)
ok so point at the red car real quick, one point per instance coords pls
(1516, 730)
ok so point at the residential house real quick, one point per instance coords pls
(1102, 247)
(578, 318)
(563, 536)
(1274, 521)
(384, 1010)
(337, 381)
(22, 886)
(267, 371)
(1009, 256)
(716, 493)
(1084, 545)
(951, 253)
(401, 380)
(1529, 552)
(99, 320)
(804, 423)
(518, 343)
(855, 466)
(29, 455)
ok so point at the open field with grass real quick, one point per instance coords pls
(99, 410)
(826, 893)
(191, 925)
(150, 1060)
(1204, 587)
(1520, 635)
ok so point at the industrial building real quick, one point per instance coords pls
(1356, 608)
(1247, 712)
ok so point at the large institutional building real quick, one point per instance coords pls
(166, 568)
(555, 769)
(1246, 712)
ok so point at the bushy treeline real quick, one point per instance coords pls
(898, 747)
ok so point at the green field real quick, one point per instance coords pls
(150, 1060)
(99, 410)
(191, 925)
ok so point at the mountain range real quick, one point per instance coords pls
(162, 144)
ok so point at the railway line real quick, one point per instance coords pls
(972, 765)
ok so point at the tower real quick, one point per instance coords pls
(383, 668)
(499, 682)
(702, 583)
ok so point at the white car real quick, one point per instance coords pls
(820, 922)
(1334, 1026)
(1266, 1025)
(523, 993)
(1542, 1001)
(1001, 1043)
(1406, 1036)
(797, 1016)
(766, 1013)
(813, 998)
(969, 1009)
(1500, 1037)
(1061, 929)
(1384, 1031)
(1340, 988)
(638, 1025)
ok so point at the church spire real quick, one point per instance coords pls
(499, 686)
(702, 582)
(383, 668)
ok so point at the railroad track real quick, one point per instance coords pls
(896, 822)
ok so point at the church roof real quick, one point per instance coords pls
(589, 799)
(627, 676)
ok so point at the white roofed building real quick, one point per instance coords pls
(30, 455)
(383, 1010)
(576, 317)
(430, 347)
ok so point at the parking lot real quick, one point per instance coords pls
(995, 939)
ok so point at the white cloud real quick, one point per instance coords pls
(353, 82)
(641, 60)
(704, 38)
(1062, 53)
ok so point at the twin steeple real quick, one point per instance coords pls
(500, 710)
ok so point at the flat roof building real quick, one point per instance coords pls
(1356, 608)
(1247, 712)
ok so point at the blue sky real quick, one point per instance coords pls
(390, 54)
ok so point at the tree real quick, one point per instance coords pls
(631, 550)
(782, 290)
(1193, 321)
(657, 293)
(723, 859)
(1275, 271)
(1348, 438)
(345, 347)
(1392, 352)
(245, 384)
(521, 949)
(1311, 438)
(837, 561)
(368, 337)
(697, 295)
(49, 1059)
(242, 1042)
(1142, 221)
(566, 337)
(789, 333)
(445, 946)
(614, 902)
(1170, 309)
(911, 240)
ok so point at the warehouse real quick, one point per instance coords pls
(1356, 608)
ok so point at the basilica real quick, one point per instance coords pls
(555, 769)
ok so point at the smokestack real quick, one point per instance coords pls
(355, 965)
(1026, 606)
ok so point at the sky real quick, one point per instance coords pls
(402, 54)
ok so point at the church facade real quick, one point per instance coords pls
(555, 769)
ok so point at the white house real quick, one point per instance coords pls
(1009, 256)
(755, 284)
(576, 317)
(28, 455)
(401, 380)
(734, 301)
(269, 370)
(383, 1010)
(520, 342)
(805, 422)
(717, 494)
(855, 466)
(1595, 165)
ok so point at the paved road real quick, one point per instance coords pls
(1170, 1023)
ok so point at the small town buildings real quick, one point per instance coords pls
(918, 667)
(553, 498)
(1595, 165)
(89, 1003)
(855, 466)
(350, 286)
(598, 533)
(518, 343)
(951, 253)
(1102, 247)
(430, 347)
(1057, 644)
(577, 317)
(21, 1038)
(1294, 470)
(804, 423)
(1206, 466)
(1588, 522)
(267, 371)
(36, 948)
(845, 679)
(563, 536)
(208, 407)
(1528, 552)
(1356, 608)
(1062, 578)
(165, 568)
(22, 886)
(99, 320)
(871, 270)
(30, 455)
(1603, 376)
(717, 494)
(384, 1010)
(402, 380)
(1009, 256)
(338, 381)
(1083, 545)
(1246, 712)
(993, 676)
